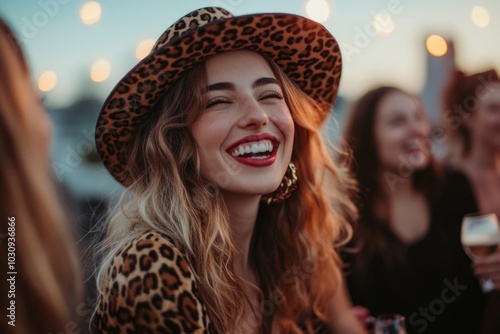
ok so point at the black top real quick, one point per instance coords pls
(435, 288)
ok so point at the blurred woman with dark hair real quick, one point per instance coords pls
(472, 120)
(43, 295)
(471, 115)
(407, 257)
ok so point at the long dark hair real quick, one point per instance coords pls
(459, 101)
(371, 232)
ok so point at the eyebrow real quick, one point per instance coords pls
(264, 81)
(230, 86)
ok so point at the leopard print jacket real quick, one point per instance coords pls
(151, 289)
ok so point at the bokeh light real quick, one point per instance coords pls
(383, 24)
(480, 16)
(436, 45)
(90, 12)
(318, 10)
(47, 81)
(100, 71)
(144, 48)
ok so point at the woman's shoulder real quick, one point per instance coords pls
(453, 172)
(149, 284)
(456, 185)
(154, 259)
(457, 197)
(148, 249)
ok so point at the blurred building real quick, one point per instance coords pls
(75, 161)
(438, 71)
(333, 125)
(87, 187)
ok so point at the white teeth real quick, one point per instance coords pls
(263, 146)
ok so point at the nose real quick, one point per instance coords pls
(253, 115)
(423, 128)
(420, 126)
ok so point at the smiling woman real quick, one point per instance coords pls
(246, 125)
(229, 225)
(409, 256)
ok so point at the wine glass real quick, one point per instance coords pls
(390, 324)
(480, 238)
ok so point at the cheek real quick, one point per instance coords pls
(283, 120)
(388, 145)
(389, 139)
(491, 130)
(209, 130)
(492, 121)
(285, 125)
(481, 121)
(427, 130)
(485, 126)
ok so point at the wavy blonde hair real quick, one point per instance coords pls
(169, 195)
(48, 279)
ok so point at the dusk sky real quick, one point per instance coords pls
(56, 39)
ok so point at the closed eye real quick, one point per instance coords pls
(493, 107)
(397, 121)
(217, 100)
(271, 95)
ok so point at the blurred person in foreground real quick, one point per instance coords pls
(471, 117)
(407, 257)
(44, 292)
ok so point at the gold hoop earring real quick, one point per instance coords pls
(286, 187)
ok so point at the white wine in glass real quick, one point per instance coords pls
(481, 238)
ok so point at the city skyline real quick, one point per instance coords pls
(382, 42)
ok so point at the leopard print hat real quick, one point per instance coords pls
(303, 48)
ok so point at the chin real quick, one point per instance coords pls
(419, 160)
(251, 188)
(423, 164)
(264, 190)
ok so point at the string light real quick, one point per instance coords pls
(90, 13)
(383, 24)
(436, 45)
(100, 71)
(318, 10)
(47, 81)
(144, 48)
(480, 16)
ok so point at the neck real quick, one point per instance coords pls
(484, 157)
(242, 217)
(393, 184)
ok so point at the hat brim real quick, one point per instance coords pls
(303, 48)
